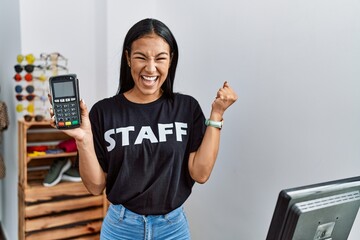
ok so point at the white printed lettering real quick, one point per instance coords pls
(110, 140)
(179, 126)
(125, 134)
(146, 133)
(164, 129)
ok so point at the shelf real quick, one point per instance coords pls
(45, 123)
(38, 192)
(64, 211)
(48, 208)
(71, 232)
(52, 155)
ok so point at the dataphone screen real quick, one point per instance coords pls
(64, 89)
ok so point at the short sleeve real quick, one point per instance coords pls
(99, 146)
(198, 126)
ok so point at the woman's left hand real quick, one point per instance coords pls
(225, 97)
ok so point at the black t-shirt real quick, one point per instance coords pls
(144, 149)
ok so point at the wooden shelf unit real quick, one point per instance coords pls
(64, 211)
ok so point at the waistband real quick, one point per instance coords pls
(124, 212)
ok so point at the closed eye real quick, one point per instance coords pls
(138, 55)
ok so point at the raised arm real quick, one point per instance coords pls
(203, 160)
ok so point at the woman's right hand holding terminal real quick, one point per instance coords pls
(90, 170)
(80, 133)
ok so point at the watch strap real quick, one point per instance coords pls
(215, 124)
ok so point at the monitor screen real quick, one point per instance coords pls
(322, 211)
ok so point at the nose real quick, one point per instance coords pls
(150, 66)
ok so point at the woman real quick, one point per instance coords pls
(148, 145)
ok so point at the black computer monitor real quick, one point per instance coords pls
(323, 211)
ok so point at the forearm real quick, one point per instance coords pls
(90, 170)
(201, 163)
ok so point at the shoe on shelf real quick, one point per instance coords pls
(71, 175)
(56, 171)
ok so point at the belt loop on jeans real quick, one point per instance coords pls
(122, 213)
(166, 217)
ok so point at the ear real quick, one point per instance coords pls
(127, 57)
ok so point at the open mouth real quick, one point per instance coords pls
(149, 80)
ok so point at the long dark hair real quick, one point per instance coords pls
(140, 29)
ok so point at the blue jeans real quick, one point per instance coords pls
(123, 224)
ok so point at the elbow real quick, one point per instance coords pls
(95, 184)
(95, 189)
(201, 179)
(200, 170)
(200, 176)
(97, 193)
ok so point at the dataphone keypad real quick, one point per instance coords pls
(66, 112)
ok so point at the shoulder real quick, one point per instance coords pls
(184, 98)
(104, 104)
(110, 101)
(186, 103)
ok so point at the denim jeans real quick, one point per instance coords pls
(123, 224)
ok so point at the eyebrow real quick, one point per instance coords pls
(162, 53)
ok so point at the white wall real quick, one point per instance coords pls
(73, 28)
(9, 48)
(294, 65)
